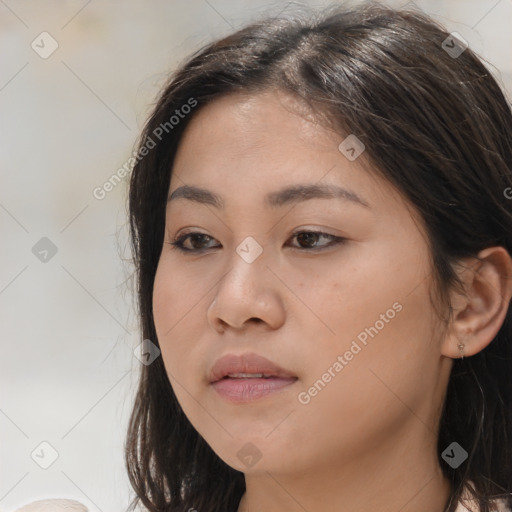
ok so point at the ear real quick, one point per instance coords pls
(479, 314)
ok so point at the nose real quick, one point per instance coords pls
(247, 293)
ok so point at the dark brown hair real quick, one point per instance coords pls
(436, 126)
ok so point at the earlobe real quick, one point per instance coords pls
(462, 345)
(479, 314)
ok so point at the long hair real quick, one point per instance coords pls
(435, 124)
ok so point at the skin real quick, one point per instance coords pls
(367, 440)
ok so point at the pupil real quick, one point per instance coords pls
(198, 238)
(310, 237)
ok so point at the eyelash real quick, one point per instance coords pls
(177, 243)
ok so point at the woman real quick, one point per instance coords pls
(321, 225)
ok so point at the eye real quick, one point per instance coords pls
(197, 242)
(311, 237)
(196, 239)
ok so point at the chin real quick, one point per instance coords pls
(254, 454)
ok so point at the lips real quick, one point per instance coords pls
(246, 366)
(244, 378)
(231, 366)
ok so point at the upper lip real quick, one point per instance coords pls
(245, 363)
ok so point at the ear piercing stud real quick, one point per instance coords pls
(461, 346)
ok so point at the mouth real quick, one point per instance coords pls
(248, 377)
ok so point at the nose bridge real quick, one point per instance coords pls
(248, 265)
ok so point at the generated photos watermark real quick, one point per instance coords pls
(158, 133)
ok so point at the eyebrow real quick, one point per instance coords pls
(285, 196)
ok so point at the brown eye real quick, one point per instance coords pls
(197, 241)
(308, 239)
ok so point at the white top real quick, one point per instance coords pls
(56, 505)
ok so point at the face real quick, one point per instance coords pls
(334, 290)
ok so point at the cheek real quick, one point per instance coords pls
(377, 317)
(178, 295)
(342, 297)
(380, 386)
(389, 364)
(176, 300)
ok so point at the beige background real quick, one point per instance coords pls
(67, 123)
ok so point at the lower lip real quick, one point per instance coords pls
(247, 390)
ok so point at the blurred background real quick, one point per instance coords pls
(77, 80)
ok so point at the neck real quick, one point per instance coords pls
(394, 478)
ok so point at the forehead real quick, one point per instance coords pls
(248, 124)
(254, 144)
